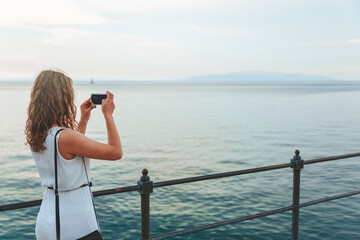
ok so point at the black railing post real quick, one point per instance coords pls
(145, 188)
(297, 164)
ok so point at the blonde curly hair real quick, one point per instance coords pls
(51, 102)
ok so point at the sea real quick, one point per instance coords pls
(179, 129)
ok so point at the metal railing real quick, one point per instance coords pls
(145, 187)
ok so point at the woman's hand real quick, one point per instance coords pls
(107, 105)
(85, 108)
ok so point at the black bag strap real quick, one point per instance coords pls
(91, 195)
(56, 189)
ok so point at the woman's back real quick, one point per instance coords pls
(77, 216)
(71, 173)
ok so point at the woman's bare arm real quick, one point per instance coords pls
(73, 143)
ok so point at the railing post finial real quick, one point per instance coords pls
(296, 161)
(145, 176)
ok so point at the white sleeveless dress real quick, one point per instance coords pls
(77, 216)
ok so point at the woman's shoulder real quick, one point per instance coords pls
(64, 134)
(68, 135)
(66, 138)
(53, 130)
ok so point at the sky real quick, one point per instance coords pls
(174, 39)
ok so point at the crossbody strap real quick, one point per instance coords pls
(56, 190)
(91, 195)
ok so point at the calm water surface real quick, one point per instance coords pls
(177, 130)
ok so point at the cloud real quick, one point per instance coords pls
(323, 43)
(145, 38)
(356, 40)
(143, 6)
(67, 36)
(17, 57)
(18, 60)
(18, 13)
(199, 29)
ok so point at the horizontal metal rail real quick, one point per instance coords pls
(250, 217)
(220, 175)
(326, 159)
(115, 190)
(326, 199)
(219, 224)
(20, 205)
(251, 170)
(34, 203)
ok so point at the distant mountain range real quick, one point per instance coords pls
(260, 76)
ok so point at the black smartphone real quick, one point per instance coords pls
(97, 98)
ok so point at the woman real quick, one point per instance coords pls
(52, 108)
